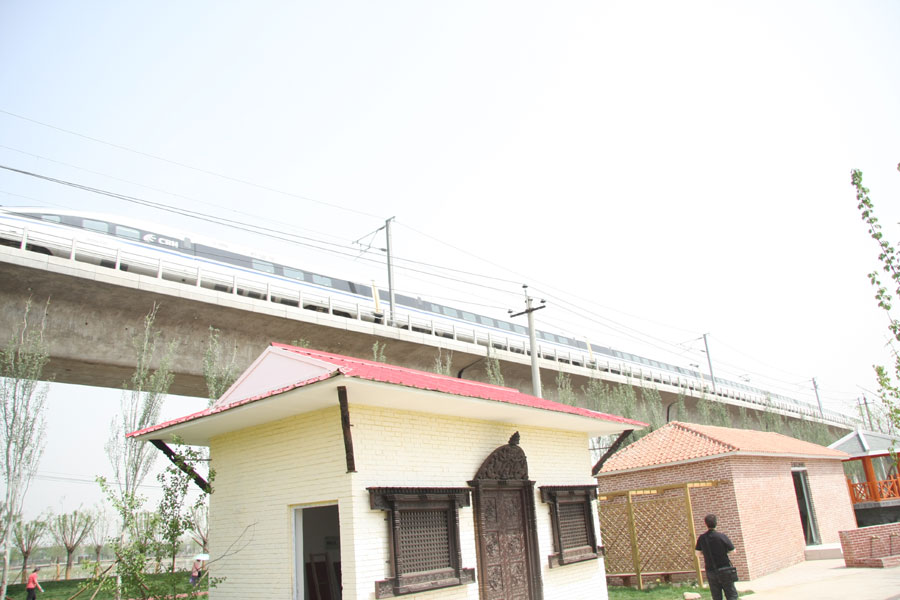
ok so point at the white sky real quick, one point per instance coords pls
(669, 168)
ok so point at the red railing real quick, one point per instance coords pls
(874, 491)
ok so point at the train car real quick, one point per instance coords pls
(149, 249)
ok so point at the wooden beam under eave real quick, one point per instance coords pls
(345, 427)
(176, 460)
(612, 449)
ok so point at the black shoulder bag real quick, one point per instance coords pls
(723, 574)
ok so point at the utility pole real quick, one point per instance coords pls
(868, 412)
(709, 362)
(819, 400)
(529, 310)
(390, 267)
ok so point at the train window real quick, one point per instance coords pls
(504, 325)
(261, 265)
(340, 284)
(321, 280)
(100, 226)
(435, 308)
(293, 273)
(221, 255)
(51, 218)
(450, 312)
(362, 290)
(406, 300)
(128, 232)
(468, 316)
(487, 321)
(564, 340)
(519, 329)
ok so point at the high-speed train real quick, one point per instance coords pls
(147, 249)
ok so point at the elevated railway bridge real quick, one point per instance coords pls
(95, 307)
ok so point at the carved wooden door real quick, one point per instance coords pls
(505, 524)
(504, 542)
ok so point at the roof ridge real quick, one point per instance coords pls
(702, 434)
(324, 356)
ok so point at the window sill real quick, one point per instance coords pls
(576, 555)
(412, 584)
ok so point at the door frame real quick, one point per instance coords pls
(506, 468)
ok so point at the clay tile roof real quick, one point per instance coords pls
(423, 380)
(346, 366)
(678, 442)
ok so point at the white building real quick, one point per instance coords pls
(339, 477)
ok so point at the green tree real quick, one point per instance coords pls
(564, 393)
(142, 400)
(219, 370)
(886, 281)
(442, 363)
(69, 530)
(492, 370)
(152, 536)
(23, 398)
(378, 351)
(27, 536)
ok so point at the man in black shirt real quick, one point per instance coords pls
(715, 547)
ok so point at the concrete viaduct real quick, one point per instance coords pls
(94, 311)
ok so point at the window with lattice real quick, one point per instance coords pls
(424, 538)
(572, 519)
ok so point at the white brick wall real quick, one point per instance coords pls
(263, 473)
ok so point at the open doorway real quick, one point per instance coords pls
(804, 503)
(317, 561)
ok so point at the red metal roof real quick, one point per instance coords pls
(379, 372)
(678, 442)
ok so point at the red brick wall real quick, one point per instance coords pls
(870, 542)
(756, 504)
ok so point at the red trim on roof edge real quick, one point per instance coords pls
(373, 371)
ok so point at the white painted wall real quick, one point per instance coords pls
(264, 473)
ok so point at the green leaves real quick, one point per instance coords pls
(890, 264)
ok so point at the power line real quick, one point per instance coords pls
(186, 166)
(279, 235)
(141, 185)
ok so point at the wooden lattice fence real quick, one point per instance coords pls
(650, 532)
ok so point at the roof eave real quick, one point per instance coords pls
(736, 453)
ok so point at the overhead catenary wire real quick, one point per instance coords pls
(190, 167)
(271, 189)
(584, 314)
(351, 253)
(159, 190)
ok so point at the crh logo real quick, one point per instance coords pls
(152, 238)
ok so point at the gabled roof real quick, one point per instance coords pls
(861, 443)
(285, 381)
(678, 442)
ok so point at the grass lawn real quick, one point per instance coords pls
(661, 592)
(61, 590)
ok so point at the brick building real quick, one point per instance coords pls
(339, 477)
(774, 495)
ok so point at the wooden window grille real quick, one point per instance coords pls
(572, 519)
(424, 538)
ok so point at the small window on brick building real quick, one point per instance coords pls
(572, 519)
(423, 525)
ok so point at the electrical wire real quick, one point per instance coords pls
(275, 234)
(190, 167)
(148, 187)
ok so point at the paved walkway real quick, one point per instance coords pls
(825, 579)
